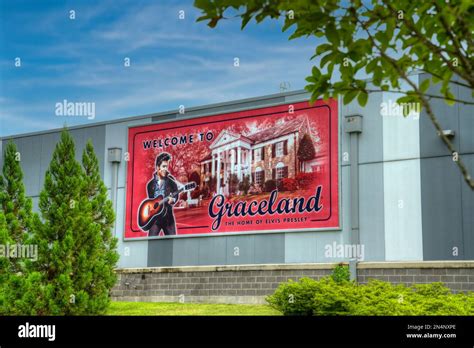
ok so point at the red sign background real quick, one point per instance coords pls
(255, 127)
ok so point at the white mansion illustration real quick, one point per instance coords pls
(264, 155)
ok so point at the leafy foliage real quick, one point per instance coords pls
(306, 151)
(4, 263)
(295, 298)
(270, 185)
(194, 176)
(97, 256)
(305, 180)
(61, 233)
(233, 181)
(329, 296)
(16, 225)
(244, 185)
(77, 254)
(288, 184)
(341, 273)
(386, 40)
(16, 207)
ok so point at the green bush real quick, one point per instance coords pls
(295, 298)
(341, 273)
(74, 271)
(436, 299)
(336, 295)
(334, 298)
(382, 298)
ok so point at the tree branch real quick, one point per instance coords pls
(467, 177)
(456, 44)
(441, 78)
(435, 49)
(429, 96)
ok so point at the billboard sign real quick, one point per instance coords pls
(267, 169)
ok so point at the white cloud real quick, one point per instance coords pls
(172, 62)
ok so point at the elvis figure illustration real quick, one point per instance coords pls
(163, 184)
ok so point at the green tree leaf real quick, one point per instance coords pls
(362, 98)
(349, 96)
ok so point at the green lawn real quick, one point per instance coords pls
(161, 308)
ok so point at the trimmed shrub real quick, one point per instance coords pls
(341, 273)
(295, 298)
(270, 185)
(244, 185)
(233, 181)
(289, 184)
(382, 298)
(335, 298)
(304, 180)
(436, 299)
(335, 295)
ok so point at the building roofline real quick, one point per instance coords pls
(163, 113)
(174, 112)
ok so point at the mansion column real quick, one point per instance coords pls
(213, 169)
(249, 162)
(232, 161)
(202, 175)
(225, 158)
(218, 176)
(239, 163)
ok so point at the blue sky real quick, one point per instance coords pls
(173, 61)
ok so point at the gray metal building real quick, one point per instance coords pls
(401, 195)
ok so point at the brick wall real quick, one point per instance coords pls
(234, 284)
(251, 283)
(457, 275)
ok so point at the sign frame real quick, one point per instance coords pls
(165, 120)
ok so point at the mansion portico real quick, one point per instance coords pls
(264, 155)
